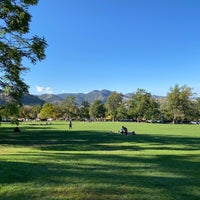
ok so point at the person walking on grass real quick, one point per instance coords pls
(70, 124)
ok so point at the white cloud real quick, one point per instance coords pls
(39, 89)
(44, 90)
(48, 90)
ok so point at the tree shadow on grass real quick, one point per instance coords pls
(169, 142)
(94, 140)
(173, 175)
(20, 172)
(47, 138)
(66, 159)
(51, 139)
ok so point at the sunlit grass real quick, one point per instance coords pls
(92, 161)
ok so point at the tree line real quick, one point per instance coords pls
(177, 107)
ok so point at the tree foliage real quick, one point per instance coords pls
(69, 107)
(84, 110)
(178, 106)
(143, 106)
(122, 112)
(11, 111)
(179, 103)
(48, 110)
(30, 112)
(16, 47)
(113, 102)
(97, 109)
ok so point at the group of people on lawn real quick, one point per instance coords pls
(123, 131)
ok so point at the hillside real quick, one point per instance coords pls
(27, 99)
(56, 99)
(80, 97)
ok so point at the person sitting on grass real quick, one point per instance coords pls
(124, 130)
(16, 130)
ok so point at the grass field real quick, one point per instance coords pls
(93, 162)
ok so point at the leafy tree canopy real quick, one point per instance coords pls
(84, 110)
(16, 46)
(113, 102)
(97, 109)
(69, 107)
(179, 103)
(48, 111)
(143, 106)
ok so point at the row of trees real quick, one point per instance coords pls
(178, 106)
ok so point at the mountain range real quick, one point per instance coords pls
(80, 97)
(29, 99)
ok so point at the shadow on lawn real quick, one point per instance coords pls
(47, 138)
(115, 171)
(175, 175)
(20, 172)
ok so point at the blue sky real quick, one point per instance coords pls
(119, 45)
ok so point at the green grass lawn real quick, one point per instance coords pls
(93, 162)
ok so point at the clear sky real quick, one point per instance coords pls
(119, 45)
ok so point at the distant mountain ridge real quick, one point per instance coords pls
(80, 97)
(29, 99)
(51, 98)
